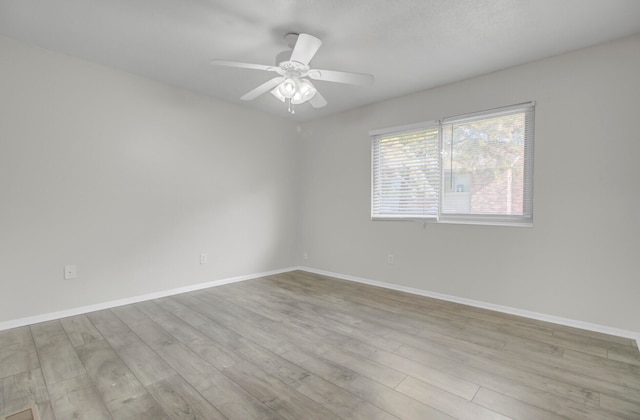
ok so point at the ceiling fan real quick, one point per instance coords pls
(292, 84)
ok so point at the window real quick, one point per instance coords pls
(475, 168)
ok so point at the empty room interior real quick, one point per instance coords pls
(281, 209)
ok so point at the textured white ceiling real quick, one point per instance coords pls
(408, 45)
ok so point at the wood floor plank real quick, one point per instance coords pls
(323, 368)
(267, 335)
(172, 324)
(437, 377)
(222, 392)
(587, 345)
(511, 407)
(583, 342)
(420, 304)
(392, 401)
(500, 321)
(22, 390)
(624, 409)
(505, 370)
(109, 374)
(139, 358)
(331, 351)
(584, 364)
(271, 363)
(141, 407)
(45, 410)
(604, 363)
(444, 401)
(286, 371)
(201, 344)
(129, 314)
(375, 371)
(80, 330)
(486, 318)
(315, 306)
(281, 398)
(201, 322)
(407, 366)
(606, 338)
(544, 376)
(573, 407)
(340, 401)
(108, 324)
(517, 340)
(260, 306)
(58, 358)
(76, 398)
(181, 401)
(251, 299)
(305, 358)
(510, 330)
(385, 319)
(18, 352)
(198, 372)
(626, 355)
(596, 367)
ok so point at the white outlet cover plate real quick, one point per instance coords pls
(70, 272)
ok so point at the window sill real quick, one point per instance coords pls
(463, 220)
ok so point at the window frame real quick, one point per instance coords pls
(524, 220)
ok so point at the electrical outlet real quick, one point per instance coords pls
(305, 256)
(390, 259)
(203, 258)
(70, 272)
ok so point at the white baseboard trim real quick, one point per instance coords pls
(485, 305)
(135, 299)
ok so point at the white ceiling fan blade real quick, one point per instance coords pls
(341, 77)
(318, 101)
(239, 64)
(305, 48)
(263, 88)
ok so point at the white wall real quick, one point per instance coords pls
(131, 180)
(581, 260)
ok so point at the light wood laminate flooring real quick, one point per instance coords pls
(303, 346)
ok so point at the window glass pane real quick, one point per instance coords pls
(483, 166)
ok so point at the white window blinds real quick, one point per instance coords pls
(406, 176)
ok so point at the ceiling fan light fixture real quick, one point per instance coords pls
(288, 88)
(297, 91)
(276, 92)
(305, 92)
